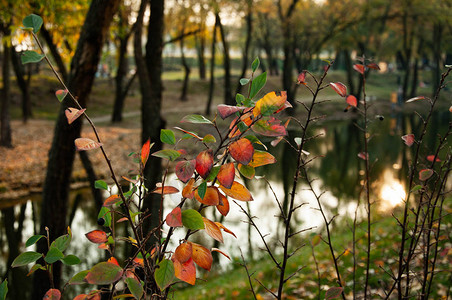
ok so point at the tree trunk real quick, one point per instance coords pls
(228, 99)
(61, 156)
(121, 74)
(249, 30)
(200, 48)
(151, 119)
(24, 85)
(55, 53)
(183, 96)
(436, 70)
(212, 70)
(5, 119)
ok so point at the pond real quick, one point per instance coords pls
(337, 169)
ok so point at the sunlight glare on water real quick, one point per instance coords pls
(392, 192)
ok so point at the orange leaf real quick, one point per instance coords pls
(145, 150)
(213, 230)
(97, 236)
(269, 104)
(219, 251)
(189, 133)
(246, 118)
(225, 229)
(351, 100)
(242, 151)
(238, 192)
(113, 260)
(183, 252)
(204, 163)
(165, 190)
(174, 218)
(52, 294)
(261, 158)
(187, 192)
(103, 246)
(112, 200)
(432, 157)
(72, 114)
(223, 206)
(226, 175)
(138, 261)
(123, 219)
(185, 271)
(84, 144)
(373, 66)
(210, 198)
(202, 256)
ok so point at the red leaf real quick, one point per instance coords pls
(202, 256)
(185, 271)
(72, 114)
(242, 151)
(83, 144)
(227, 110)
(104, 273)
(145, 150)
(373, 66)
(174, 218)
(432, 157)
(408, 139)
(52, 294)
(213, 230)
(113, 260)
(269, 126)
(97, 236)
(226, 175)
(359, 68)
(425, 174)
(351, 100)
(363, 155)
(204, 163)
(223, 206)
(333, 293)
(210, 198)
(112, 200)
(339, 88)
(301, 78)
(183, 252)
(185, 170)
(238, 192)
(166, 190)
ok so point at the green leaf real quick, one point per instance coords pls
(195, 119)
(167, 136)
(170, 154)
(164, 274)
(61, 94)
(253, 139)
(105, 214)
(135, 287)
(239, 98)
(104, 273)
(79, 278)
(31, 57)
(257, 84)
(416, 188)
(247, 171)
(242, 127)
(333, 293)
(244, 81)
(3, 289)
(70, 260)
(33, 21)
(202, 188)
(54, 254)
(26, 258)
(62, 242)
(213, 173)
(35, 268)
(110, 240)
(209, 139)
(33, 240)
(100, 184)
(192, 219)
(255, 64)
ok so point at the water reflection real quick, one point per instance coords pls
(338, 170)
